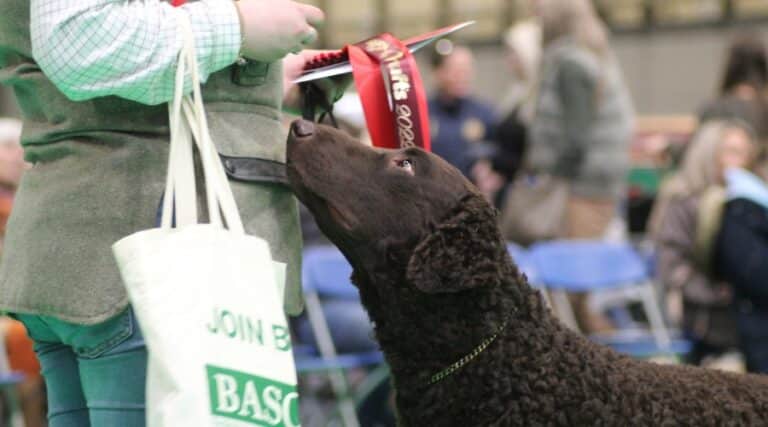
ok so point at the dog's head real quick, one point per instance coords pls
(405, 212)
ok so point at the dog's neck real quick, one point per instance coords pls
(423, 335)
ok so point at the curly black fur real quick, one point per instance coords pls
(435, 290)
(539, 372)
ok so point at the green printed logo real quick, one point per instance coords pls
(252, 399)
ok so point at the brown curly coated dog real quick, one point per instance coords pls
(437, 281)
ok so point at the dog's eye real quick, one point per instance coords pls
(405, 164)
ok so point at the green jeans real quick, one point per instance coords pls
(95, 375)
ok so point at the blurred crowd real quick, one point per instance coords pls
(554, 158)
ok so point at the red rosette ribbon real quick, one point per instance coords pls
(391, 91)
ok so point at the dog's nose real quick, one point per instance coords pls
(303, 128)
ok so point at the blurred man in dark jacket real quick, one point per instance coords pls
(740, 258)
(458, 120)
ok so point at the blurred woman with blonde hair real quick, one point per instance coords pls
(684, 225)
(583, 123)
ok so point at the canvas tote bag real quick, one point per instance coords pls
(206, 295)
(534, 209)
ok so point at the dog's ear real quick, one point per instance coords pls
(463, 252)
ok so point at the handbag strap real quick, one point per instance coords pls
(188, 123)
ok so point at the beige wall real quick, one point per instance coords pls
(669, 72)
(673, 72)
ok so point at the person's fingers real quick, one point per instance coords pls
(309, 54)
(309, 37)
(314, 16)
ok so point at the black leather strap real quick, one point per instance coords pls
(244, 169)
(254, 169)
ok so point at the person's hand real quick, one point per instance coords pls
(488, 181)
(674, 303)
(293, 65)
(724, 292)
(272, 29)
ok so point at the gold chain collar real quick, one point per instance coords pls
(469, 357)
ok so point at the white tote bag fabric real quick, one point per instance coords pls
(207, 297)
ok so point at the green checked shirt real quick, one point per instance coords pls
(92, 48)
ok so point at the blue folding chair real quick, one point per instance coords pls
(326, 273)
(522, 258)
(525, 263)
(615, 269)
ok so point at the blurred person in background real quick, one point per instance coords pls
(11, 167)
(684, 223)
(740, 255)
(523, 46)
(485, 175)
(742, 89)
(20, 353)
(583, 123)
(458, 120)
(496, 162)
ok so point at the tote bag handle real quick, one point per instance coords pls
(188, 124)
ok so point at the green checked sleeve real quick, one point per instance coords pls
(93, 48)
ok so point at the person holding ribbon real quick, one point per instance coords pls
(92, 78)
